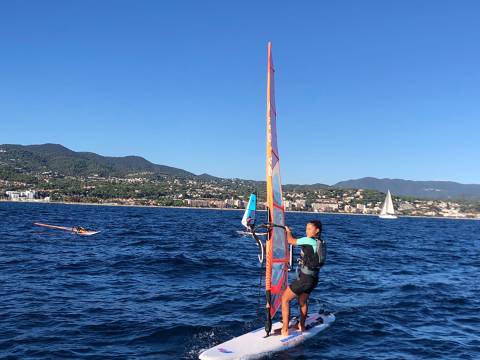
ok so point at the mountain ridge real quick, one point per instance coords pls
(60, 159)
(423, 189)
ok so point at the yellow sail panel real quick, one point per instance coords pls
(277, 253)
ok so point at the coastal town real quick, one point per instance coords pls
(211, 192)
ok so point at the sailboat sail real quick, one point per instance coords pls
(390, 204)
(277, 253)
(249, 216)
(387, 208)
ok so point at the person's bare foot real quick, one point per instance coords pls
(300, 327)
(284, 332)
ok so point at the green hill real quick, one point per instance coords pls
(59, 159)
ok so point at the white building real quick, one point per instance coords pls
(405, 206)
(300, 204)
(360, 208)
(23, 195)
(13, 195)
(324, 207)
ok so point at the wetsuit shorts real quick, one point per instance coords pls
(304, 284)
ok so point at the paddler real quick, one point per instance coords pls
(311, 260)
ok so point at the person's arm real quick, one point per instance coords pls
(290, 238)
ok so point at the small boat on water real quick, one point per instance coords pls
(387, 212)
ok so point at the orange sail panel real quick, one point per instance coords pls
(277, 253)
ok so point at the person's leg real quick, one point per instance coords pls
(303, 303)
(287, 296)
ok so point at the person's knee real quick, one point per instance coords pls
(302, 300)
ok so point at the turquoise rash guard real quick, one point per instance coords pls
(308, 241)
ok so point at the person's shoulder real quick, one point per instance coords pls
(306, 241)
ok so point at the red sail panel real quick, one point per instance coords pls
(277, 253)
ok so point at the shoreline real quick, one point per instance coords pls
(224, 209)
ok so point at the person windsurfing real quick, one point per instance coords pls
(312, 258)
(79, 230)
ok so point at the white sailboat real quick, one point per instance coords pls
(387, 211)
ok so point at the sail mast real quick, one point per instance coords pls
(277, 253)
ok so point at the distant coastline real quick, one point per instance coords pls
(52, 172)
(222, 209)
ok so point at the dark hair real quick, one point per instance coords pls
(318, 225)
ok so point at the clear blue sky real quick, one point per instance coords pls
(364, 88)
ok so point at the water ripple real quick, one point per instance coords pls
(168, 283)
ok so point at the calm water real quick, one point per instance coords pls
(167, 283)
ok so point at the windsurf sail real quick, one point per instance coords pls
(64, 228)
(277, 251)
(76, 229)
(249, 217)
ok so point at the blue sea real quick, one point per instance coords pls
(162, 283)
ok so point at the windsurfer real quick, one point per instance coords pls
(312, 258)
(79, 230)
